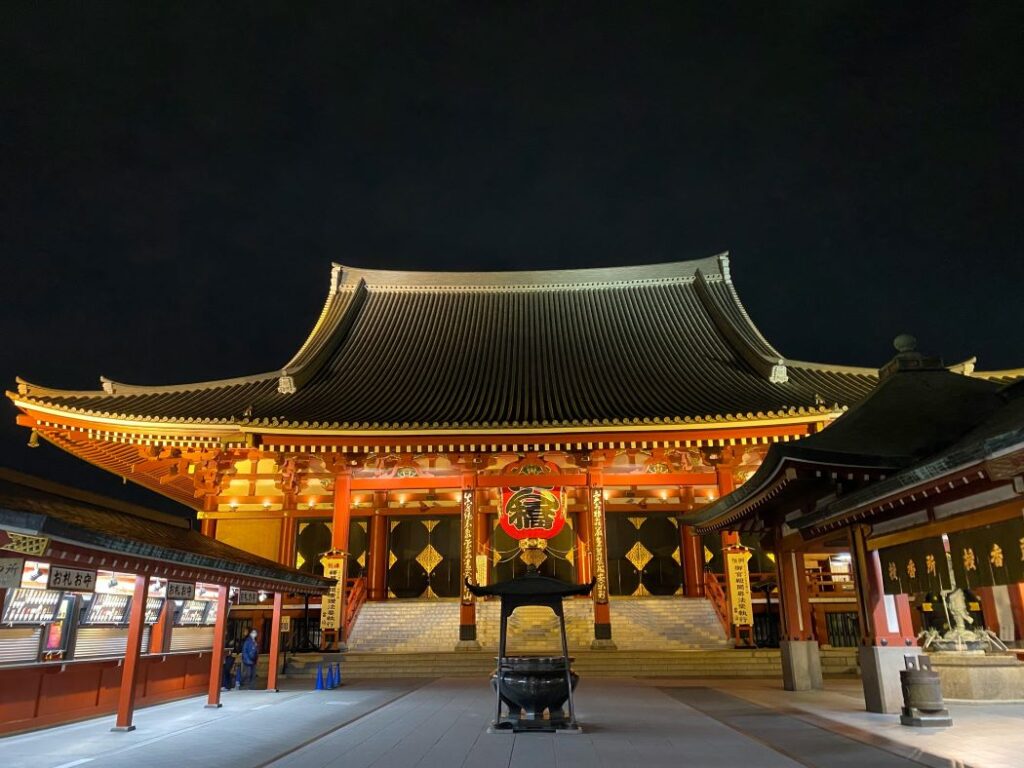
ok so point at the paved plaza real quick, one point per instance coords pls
(627, 722)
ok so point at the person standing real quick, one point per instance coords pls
(250, 655)
(227, 682)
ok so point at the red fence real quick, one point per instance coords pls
(48, 694)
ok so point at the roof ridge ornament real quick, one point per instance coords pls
(286, 383)
(723, 266)
(908, 358)
(108, 385)
(335, 278)
(779, 374)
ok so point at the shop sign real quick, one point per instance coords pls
(330, 608)
(181, 590)
(23, 543)
(10, 572)
(915, 567)
(736, 564)
(988, 556)
(532, 512)
(286, 623)
(72, 579)
(248, 597)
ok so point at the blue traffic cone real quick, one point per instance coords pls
(319, 677)
(330, 676)
(238, 677)
(337, 673)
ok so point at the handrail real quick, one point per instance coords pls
(355, 597)
(714, 592)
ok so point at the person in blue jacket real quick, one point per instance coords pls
(250, 654)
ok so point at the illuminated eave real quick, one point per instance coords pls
(227, 430)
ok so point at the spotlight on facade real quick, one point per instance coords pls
(262, 596)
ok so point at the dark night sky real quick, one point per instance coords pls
(176, 183)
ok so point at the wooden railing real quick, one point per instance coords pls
(825, 584)
(714, 592)
(355, 596)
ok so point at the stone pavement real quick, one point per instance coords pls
(627, 722)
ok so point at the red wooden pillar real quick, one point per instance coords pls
(1016, 592)
(217, 654)
(275, 642)
(158, 632)
(879, 624)
(342, 516)
(376, 583)
(794, 603)
(691, 551)
(340, 529)
(208, 526)
(132, 652)
(988, 608)
(584, 553)
(286, 552)
(726, 485)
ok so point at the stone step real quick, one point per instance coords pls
(742, 663)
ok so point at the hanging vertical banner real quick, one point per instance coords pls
(331, 608)
(532, 512)
(915, 567)
(988, 556)
(598, 545)
(738, 575)
(468, 521)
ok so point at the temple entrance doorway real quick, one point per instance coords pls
(423, 557)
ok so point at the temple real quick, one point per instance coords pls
(625, 402)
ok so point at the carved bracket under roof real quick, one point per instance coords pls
(211, 471)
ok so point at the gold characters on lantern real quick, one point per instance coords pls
(929, 564)
(893, 572)
(911, 569)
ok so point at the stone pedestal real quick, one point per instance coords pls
(980, 676)
(801, 665)
(880, 674)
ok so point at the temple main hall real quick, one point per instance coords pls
(430, 417)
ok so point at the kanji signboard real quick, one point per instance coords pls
(181, 590)
(738, 576)
(10, 572)
(330, 607)
(72, 579)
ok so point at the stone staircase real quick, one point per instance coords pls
(655, 637)
(640, 624)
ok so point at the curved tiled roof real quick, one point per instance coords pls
(654, 344)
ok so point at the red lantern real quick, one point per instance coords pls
(532, 512)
